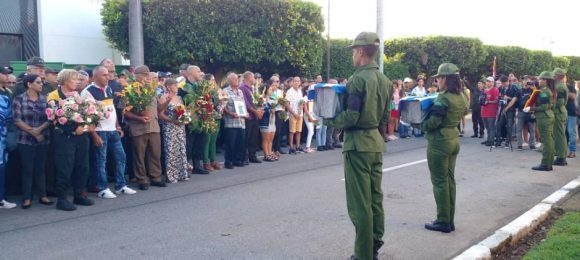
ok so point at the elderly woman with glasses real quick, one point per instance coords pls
(33, 138)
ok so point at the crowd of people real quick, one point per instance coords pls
(153, 148)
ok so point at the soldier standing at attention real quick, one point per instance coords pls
(545, 119)
(560, 117)
(443, 144)
(368, 95)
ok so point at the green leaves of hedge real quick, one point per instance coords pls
(262, 35)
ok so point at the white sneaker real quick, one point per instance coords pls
(125, 190)
(106, 194)
(6, 205)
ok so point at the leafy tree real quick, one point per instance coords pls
(262, 35)
(340, 59)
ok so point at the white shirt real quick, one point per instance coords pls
(419, 92)
(295, 96)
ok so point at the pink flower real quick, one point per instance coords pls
(51, 103)
(61, 102)
(49, 112)
(91, 110)
(74, 107)
(59, 112)
(78, 118)
(78, 99)
(62, 120)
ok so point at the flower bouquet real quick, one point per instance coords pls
(258, 101)
(138, 96)
(182, 115)
(202, 109)
(282, 101)
(73, 111)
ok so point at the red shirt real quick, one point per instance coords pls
(490, 110)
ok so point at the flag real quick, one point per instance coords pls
(493, 67)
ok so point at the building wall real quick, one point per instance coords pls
(18, 30)
(70, 31)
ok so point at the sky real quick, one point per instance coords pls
(534, 24)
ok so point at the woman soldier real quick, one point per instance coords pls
(542, 109)
(443, 144)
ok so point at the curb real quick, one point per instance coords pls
(518, 228)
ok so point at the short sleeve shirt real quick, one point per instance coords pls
(571, 105)
(490, 110)
(234, 95)
(295, 97)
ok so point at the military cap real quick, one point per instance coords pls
(559, 72)
(546, 75)
(365, 38)
(51, 71)
(142, 69)
(447, 69)
(6, 70)
(35, 61)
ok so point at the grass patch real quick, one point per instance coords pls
(562, 242)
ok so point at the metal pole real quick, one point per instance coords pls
(328, 44)
(135, 33)
(380, 33)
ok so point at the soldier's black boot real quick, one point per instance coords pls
(560, 162)
(81, 199)
(438, 226)
(542, 167)
(63, 204)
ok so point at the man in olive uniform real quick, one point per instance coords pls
(368, 93)
(560, 117)
(545, 121)
(34, 65)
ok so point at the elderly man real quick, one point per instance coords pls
(146, 139)
(34, 65)
(195, 141)
(254, 116)
(234, 124)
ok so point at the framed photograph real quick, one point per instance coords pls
(240, 108)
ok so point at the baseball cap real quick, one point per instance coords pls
(6, 70)
(546, 75)
(407, 80)
(163, 74)
(490, 79)
(559, 72)
(35, 61)
(447, 69)
(365, 38)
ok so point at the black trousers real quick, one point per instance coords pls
(252, 136)
(235, 139)
(71, 156)
(32, 169)
(279, 132)
(194, 145)
(477, 122)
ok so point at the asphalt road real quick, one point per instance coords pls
(291, 209)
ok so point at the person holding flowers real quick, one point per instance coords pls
(209, 150)
(234, 124)
(141, 115)
(107, 137)
(28, 112)
(268, 121)
(70, 139)
(175, 116)
(255, 113)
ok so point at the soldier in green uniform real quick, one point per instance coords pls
(443, 144)
(366, 110)
(545, 119)
(560, 117)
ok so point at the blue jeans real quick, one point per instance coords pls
(403, 130)
(571, 128)
(111, 144)
(321, 136)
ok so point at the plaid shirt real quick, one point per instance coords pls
(230, 122)
(32, 113)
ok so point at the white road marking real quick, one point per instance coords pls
(400, 166)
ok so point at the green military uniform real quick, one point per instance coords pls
(560, 117)
(368, 93)
(195, 141)
(443, 147)
(545, 120)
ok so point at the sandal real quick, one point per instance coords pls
(572, 155)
